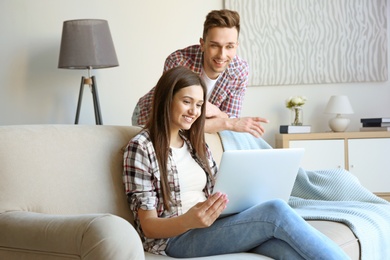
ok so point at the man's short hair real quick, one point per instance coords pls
(221, 18)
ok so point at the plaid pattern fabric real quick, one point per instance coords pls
(229, 89)
(141, 177)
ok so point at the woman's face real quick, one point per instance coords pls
(186, 107)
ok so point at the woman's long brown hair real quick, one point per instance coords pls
(159, 123)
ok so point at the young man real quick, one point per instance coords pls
(225, 74)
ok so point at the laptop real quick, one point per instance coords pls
(251, 177)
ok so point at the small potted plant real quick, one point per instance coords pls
(295, 105)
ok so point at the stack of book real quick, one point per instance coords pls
(375, 124)
(294, 129)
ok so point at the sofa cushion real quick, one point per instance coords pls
(340, 234)
(63, 169)
(86, 236)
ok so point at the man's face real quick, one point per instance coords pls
(219, 48)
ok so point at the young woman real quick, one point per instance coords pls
(169, 174)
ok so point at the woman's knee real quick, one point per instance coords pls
(275, 205)
(276, 208)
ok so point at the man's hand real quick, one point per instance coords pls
(250, 125)
(216, 121)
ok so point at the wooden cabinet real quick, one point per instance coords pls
(364, 154)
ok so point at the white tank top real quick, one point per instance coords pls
(192, 178)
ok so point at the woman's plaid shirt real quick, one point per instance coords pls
(141, 177)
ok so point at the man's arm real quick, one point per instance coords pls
(250, 125)
(217, 120)
(233, 89)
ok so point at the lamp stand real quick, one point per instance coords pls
(339, 123)
(92, 83)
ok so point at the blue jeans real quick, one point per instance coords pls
(272, 229)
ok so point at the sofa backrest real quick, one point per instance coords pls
(67, 169)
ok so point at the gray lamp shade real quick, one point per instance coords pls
(87, 44)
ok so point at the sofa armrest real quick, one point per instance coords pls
(90, 236)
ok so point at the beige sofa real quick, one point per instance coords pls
(61, 196)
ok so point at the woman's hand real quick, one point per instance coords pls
(203, 214)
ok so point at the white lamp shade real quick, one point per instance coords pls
(339, 105)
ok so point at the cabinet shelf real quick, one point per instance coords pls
(364, 154)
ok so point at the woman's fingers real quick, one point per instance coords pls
(216, 204)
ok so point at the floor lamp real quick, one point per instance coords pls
(87, 44)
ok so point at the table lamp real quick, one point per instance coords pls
(87, 44)
(339, 105)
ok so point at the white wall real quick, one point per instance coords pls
(34, 91)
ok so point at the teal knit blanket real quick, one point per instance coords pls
(334, 195)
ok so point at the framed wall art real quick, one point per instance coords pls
(288, 42)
